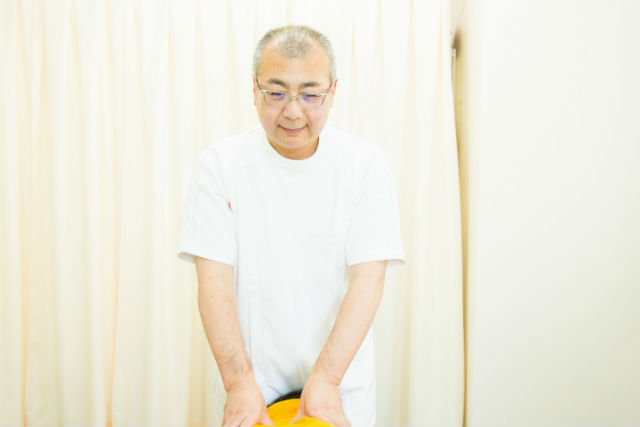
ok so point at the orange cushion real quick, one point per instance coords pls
(281, 413)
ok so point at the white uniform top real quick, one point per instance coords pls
(290, 228)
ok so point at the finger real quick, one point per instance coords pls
(229, 423)
(296, 418)
(234, 421)
(338, 421)
(265, 420)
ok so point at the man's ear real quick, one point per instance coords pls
(333, 92)
(253, 82)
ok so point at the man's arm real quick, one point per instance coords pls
(245, 403)
(321, 396)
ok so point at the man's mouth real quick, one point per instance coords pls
(292, 131)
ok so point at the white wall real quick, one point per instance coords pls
(548, 120)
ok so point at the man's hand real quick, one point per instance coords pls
(245, 405)
(320, 397)
(321, 400)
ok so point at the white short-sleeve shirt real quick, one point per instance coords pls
(290, 228)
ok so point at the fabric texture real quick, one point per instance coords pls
(291, 228)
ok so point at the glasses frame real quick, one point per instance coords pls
(297, 97)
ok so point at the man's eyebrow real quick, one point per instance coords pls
(308, 84)
(278, 82)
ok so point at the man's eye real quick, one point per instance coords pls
(276, 95)
(312, 99)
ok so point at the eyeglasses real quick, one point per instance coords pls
(280, 99)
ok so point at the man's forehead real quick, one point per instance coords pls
(307, 71)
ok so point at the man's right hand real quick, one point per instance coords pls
(245, 405)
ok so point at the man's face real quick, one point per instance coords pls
(292, 129)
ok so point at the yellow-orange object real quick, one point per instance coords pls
(281, 413)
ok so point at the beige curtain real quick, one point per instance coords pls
(104, 107)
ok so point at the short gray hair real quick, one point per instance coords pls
(295, 41)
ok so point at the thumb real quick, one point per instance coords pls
(297, 417)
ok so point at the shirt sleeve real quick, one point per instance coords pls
(208, 226)
(374, 232)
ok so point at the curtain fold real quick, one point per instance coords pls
(105, 107)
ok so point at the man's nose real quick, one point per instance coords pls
(293, 110)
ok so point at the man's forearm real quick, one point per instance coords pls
(219, 315)
(366, 282)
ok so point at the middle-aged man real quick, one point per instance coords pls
(291, 226)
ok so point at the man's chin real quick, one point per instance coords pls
(294, 141)
(292, 145)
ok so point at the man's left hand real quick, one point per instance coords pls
(321, 400)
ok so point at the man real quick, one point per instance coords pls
(291, 226)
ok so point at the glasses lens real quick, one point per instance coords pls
(275, 98)
(311, 100)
